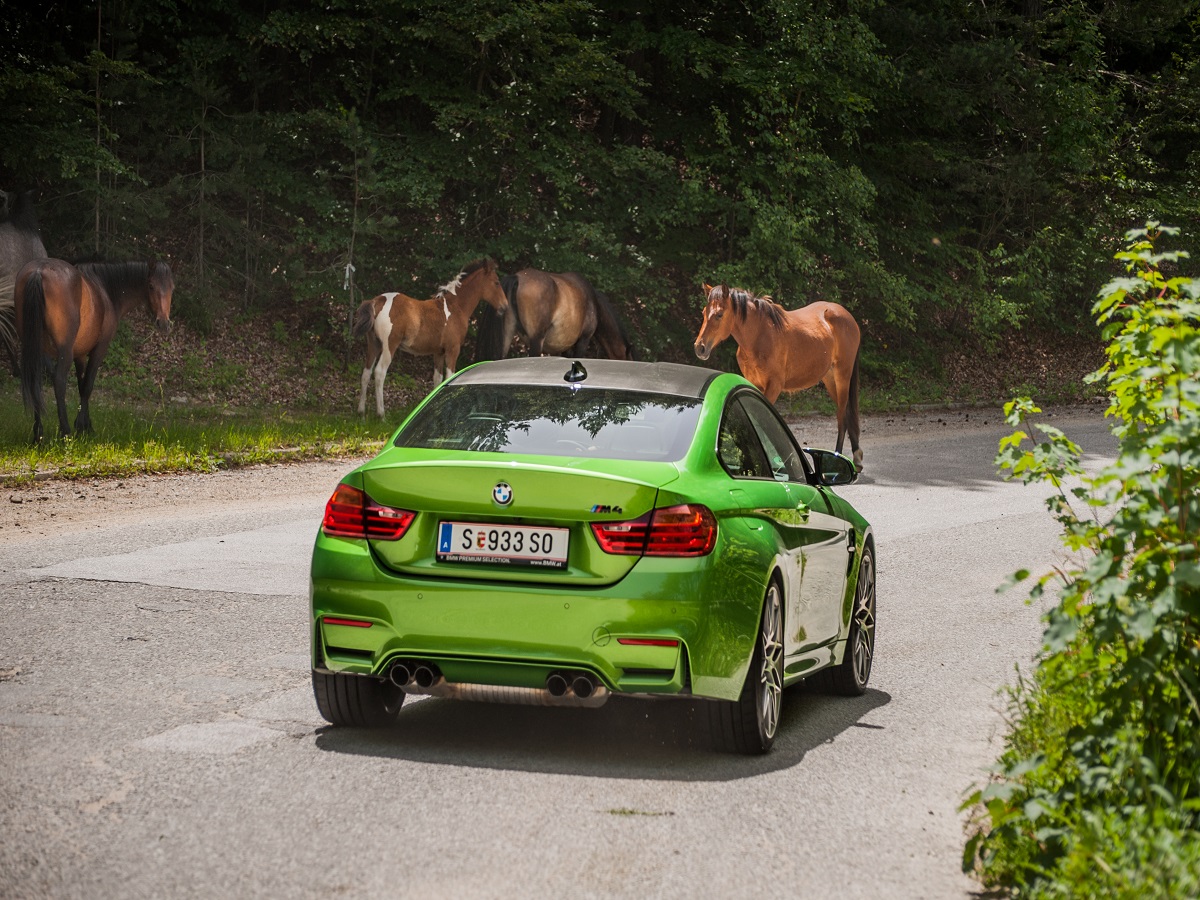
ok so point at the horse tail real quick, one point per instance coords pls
(364, 318)
(33, 313)
(489, 336)
(610, 323)
(509, 284)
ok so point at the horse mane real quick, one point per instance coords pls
(117, 277)
(471, 268)
(744, 301)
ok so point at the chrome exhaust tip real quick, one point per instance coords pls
(556, 684)
(400, 674)
(583, 687)
(425, 676)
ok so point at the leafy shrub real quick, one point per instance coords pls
(1098, 790)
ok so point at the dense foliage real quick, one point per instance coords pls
(1098, 791)
(940, 166)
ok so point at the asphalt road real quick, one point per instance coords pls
(158, 735)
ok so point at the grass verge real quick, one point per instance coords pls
(130, 440)
(286, 416)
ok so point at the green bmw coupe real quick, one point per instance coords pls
(554, 532)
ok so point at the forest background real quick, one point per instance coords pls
(958, 173)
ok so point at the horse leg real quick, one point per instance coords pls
(838, 389)
(87, 380)
(373, 348)
(381, 367)
(366, 384)
(61, 368)
(512, 326)
(83, 420)
(449, 361)
(852, 422)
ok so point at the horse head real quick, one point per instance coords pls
(160, 286)
(485, 280)
(716, 324)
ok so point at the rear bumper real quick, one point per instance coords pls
(515, 635)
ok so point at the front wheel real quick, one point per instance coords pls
(748, 724)
(356, 701)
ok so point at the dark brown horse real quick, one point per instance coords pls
(789, 350)
(20, 242)
(70, 313)
(436, 327)
(556, 314)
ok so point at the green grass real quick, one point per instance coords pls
(158, 439)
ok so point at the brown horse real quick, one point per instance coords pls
(434, 327)
(70, 313)
(556, 314)
(789, 350)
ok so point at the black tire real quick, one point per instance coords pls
(748, 725)
(850, 677)
(356, 701)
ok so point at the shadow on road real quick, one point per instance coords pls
(626, 738)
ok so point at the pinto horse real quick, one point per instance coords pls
(434, 327)
(20, 242)
(789, 350)
(70, 312)
(556, 314)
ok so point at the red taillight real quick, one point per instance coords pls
(643, 642)
(686, 530)
(351, 513)
(626, 538)
(350, 623)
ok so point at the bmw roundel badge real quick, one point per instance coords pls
(502, 493)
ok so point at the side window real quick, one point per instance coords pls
(783, 456)
(738, 446)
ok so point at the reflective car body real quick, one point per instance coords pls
(542, 531)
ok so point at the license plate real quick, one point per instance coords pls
(505, 545)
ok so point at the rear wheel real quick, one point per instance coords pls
(851, 677)
(748, 724)
(356, 701)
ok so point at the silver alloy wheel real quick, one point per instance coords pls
(770, 689)
(864, 614)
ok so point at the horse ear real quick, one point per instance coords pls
(707, 289)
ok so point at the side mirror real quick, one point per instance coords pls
(832, 468)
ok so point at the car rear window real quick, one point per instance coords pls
(601, 423)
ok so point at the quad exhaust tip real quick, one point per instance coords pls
(578, 684)
(414, 675)
(583, 687)
(563, 688)
(400, 674)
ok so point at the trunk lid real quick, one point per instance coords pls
(463, 500)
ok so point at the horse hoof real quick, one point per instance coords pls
(858, 457)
